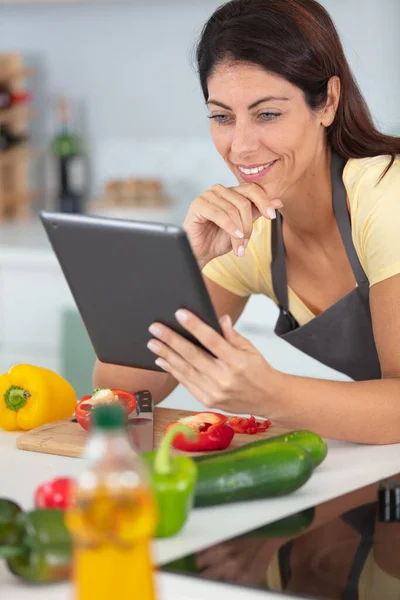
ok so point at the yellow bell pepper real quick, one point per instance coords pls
(31, 396)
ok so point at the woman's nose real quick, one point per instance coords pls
(245, 141)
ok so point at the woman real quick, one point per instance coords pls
(288, 119)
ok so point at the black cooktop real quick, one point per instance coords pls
(344, 549)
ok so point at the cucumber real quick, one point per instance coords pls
(280, 469)
(286, 527)
(312, 442)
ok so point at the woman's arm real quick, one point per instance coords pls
(240, 380)
(162, 384)
(366, 412)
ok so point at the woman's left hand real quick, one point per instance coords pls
(237, 380)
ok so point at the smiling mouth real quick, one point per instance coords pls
(255, 170)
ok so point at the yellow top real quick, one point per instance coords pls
(375, 223)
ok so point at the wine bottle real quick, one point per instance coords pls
(67, 148)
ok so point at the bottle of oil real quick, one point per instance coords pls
(113, 517)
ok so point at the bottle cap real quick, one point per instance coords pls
(109, 416)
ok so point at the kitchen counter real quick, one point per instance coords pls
(26, 330)
(347, 467)
(170, 587)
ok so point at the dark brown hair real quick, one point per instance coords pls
(297, 40)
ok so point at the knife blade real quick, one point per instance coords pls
(141, 426)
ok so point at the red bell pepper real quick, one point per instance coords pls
(213, 432)
(249, 426)
(85, 406)
(56, 493)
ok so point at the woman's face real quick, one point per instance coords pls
(263, 128)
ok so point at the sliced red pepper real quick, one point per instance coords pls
(213, 432)
(249, 425)
(56, 493)
(83, 410)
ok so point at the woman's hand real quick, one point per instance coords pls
(221, 219)
(236, 379)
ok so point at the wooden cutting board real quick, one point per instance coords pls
(65, 438)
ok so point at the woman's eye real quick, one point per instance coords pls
(268, 116)
(220, 118)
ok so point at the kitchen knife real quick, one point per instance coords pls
(141, 425)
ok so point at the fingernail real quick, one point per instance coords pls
(271, 212)
(181, 315)
(226, 320)
(239, 234)
(277, 204)
(246, 241)
(155, 330)
(240, 251)
(161, 363)
(153, 346)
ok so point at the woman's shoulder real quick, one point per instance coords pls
(366, 172)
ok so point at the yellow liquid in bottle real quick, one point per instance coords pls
(112, 534)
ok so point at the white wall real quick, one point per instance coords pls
(129, 63)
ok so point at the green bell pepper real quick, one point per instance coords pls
(38, 547)
(8, 513)
(173, 481)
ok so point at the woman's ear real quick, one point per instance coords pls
(333, 96)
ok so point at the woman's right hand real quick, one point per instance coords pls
(221, 219)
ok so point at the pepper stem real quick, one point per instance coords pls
(163, 463)
(10, 551)
(16, 397)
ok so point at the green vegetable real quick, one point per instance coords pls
(173, 481)
(312, 442)
(186, 564)
(286, 527)
(39, 548)
(279, 469)
(8, 513)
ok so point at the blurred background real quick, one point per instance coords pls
(101, 112)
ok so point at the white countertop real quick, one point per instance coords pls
(347, 467)
(169, 587)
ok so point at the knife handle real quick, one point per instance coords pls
(144, 402)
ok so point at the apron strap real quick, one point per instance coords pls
(278, 265)
(339, 202)
(342, 216)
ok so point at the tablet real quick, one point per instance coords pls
(124, 275)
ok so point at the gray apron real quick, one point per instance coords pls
(341, 337)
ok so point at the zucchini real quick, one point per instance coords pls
(280, 469)
(312, 442)
(286, 527)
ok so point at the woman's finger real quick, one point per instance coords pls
(238, 245)
(191, 382)
(209, 338)
(209, 211)
(265, 205)
(238, 202)
(176, 350)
